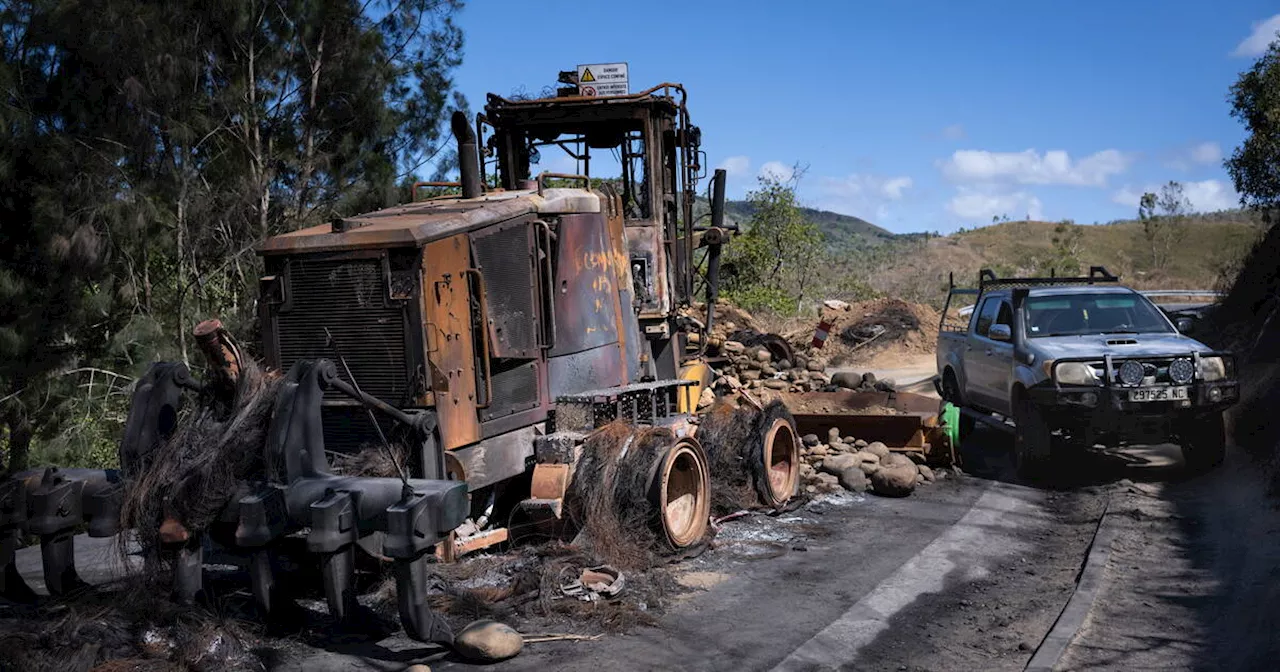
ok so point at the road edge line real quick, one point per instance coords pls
(1088, 584)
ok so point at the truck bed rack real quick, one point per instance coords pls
(988, 280)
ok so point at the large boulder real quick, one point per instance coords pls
(837, 463)
(896, 460)
(878, 448)
(847, 379)
(487, 641)
(897, 481)
(853, 479)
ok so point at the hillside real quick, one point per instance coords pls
(841, 231)
(1211, 250)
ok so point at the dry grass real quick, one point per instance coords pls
(1210, 249)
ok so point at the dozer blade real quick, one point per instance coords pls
(903, 421)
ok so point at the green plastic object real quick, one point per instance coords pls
(951, 422)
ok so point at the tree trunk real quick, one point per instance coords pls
(308, 151)
(19, 442)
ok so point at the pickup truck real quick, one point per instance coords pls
(1075, 362)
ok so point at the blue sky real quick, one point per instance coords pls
(918, 115)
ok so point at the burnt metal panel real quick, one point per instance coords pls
(450, 342)
(585, 295)
(649, 266)
(497, 458)
(504, 254)
(628, 326)
(515, 389)
(350, 296)
(586, 370)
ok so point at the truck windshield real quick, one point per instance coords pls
(1083, 314)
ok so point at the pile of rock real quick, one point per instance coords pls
(861, 382)
(755, 368)
(858, 466)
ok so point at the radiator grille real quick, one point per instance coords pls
(514, 390)
(350, 298)
(509, 281)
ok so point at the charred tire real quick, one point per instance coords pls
(1204, 442)
(951, 393)
(1032, 440)
(781, 453)
(681, 493)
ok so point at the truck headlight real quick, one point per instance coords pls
(1212, 369)
(1075, 373)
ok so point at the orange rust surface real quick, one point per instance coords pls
(450, 349)
(550, 481)
(410, 224)
(617, 247)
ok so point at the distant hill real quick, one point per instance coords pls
(1212, 248)
(841, 231)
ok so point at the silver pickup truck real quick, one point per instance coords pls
(1075, 362)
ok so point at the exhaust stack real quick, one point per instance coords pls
(468, 156)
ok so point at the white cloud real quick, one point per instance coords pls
(894, 186)
(1264, 32)
(1030, 167)
(954, 132)
(1205, 195)
(1203, 154)
(736, 166)
(777, 170)
(861, 195)
(1206, 153)
(983, 204)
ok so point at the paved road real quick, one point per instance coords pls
(967, 573)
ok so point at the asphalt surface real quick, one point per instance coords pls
(967, 573)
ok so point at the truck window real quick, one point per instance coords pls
(1084, 314)
(1005, 316)
(987, 317)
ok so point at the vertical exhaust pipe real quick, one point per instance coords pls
(468, 156)
(717, 198)
(713, 250)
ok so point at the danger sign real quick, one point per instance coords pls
(603, 79)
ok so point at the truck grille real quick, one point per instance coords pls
(349, 297)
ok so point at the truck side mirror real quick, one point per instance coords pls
(1183, 324)
(1000, 332)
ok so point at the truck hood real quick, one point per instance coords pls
(1116, 345)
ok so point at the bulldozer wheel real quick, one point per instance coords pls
(682, 493)
(782, 462)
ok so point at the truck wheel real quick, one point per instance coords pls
(951, 393)
(1032, 441)
(1204, 442)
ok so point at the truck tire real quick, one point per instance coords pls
(1204, 442)
(1032, 440)
(951, 393)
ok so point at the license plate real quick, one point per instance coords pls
(1158, 394)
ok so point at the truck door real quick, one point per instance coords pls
(989, 363)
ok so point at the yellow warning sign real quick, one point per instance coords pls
(587, 76)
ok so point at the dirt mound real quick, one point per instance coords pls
(879, 329)
(1246, 323)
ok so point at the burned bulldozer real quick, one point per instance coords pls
(527, 342)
